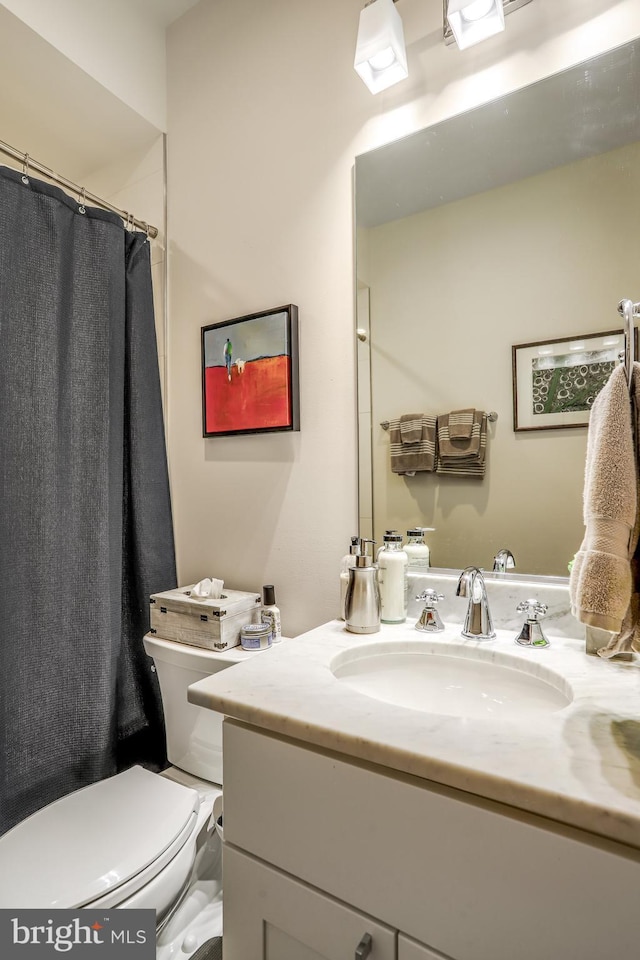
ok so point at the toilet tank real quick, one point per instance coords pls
(194, 734)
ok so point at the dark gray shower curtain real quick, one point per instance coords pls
(85, 516)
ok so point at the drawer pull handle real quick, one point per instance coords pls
(363, 949)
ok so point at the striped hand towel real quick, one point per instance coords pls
(411, 428)
(461, 424)
(464, 458)
(420, 455)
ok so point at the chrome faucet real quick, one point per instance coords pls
(477, 624)
(504, 560)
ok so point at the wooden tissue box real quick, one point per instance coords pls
(213, 624)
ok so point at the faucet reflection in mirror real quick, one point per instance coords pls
(504, 560)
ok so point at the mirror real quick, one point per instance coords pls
(510, 224)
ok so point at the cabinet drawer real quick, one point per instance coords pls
(270, 916)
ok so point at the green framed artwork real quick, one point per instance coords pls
(556, 381)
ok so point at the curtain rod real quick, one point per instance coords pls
(84, 195)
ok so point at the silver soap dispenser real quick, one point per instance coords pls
(362, 602)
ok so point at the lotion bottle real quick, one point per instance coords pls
(392, 578)
(348, 561)
(417, 550)
(271, 612)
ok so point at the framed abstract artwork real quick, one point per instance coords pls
(556, 381)
(250, 374)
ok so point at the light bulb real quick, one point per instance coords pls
(476, 10)
(383, 59)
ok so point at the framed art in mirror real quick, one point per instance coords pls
(250, 374)
(556, 381)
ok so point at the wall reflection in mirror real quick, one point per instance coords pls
(510, 224)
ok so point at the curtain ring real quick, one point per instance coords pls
(25, 170)
(81, 199)
(147, 231)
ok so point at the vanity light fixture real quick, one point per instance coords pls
(381, 57)
(470, 21)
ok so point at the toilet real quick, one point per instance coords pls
(134, 839)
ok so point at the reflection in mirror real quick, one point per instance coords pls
(510, 224)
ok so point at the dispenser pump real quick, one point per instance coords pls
(362, 557)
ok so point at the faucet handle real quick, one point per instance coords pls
(531, 634)
(532, 608)
(430, 597)
(430, 621)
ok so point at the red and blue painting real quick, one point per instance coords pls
(250, 374)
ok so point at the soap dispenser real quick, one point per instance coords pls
(348, 561)
(362, 602)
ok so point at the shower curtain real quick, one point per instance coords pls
(85, 516)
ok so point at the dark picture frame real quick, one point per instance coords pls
(250, 374)
(556, 381)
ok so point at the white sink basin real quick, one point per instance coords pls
(453, 679)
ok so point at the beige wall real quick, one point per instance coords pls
(451, 290)
(265, 116)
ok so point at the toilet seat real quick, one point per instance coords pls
(99, 845)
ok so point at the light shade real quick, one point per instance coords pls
(381, 58)
(474, 20)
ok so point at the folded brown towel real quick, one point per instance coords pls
(601, 583)
(411, 428)
(464, 458)
(411, 458)
(461, 424)
(472, 447)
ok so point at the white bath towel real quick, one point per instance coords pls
(602, 581)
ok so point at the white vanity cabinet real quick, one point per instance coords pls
(321, 850)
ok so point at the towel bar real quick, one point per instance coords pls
(491, 417)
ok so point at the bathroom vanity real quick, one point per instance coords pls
(358, 826)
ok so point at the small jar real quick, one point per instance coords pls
(256, 636)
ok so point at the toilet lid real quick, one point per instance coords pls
(90, 842)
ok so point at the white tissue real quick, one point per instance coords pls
(207, 589)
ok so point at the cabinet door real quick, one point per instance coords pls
(270, 916)
(409, 949)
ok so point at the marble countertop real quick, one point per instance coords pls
(579, 765)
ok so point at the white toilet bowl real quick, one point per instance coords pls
(131, 840)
